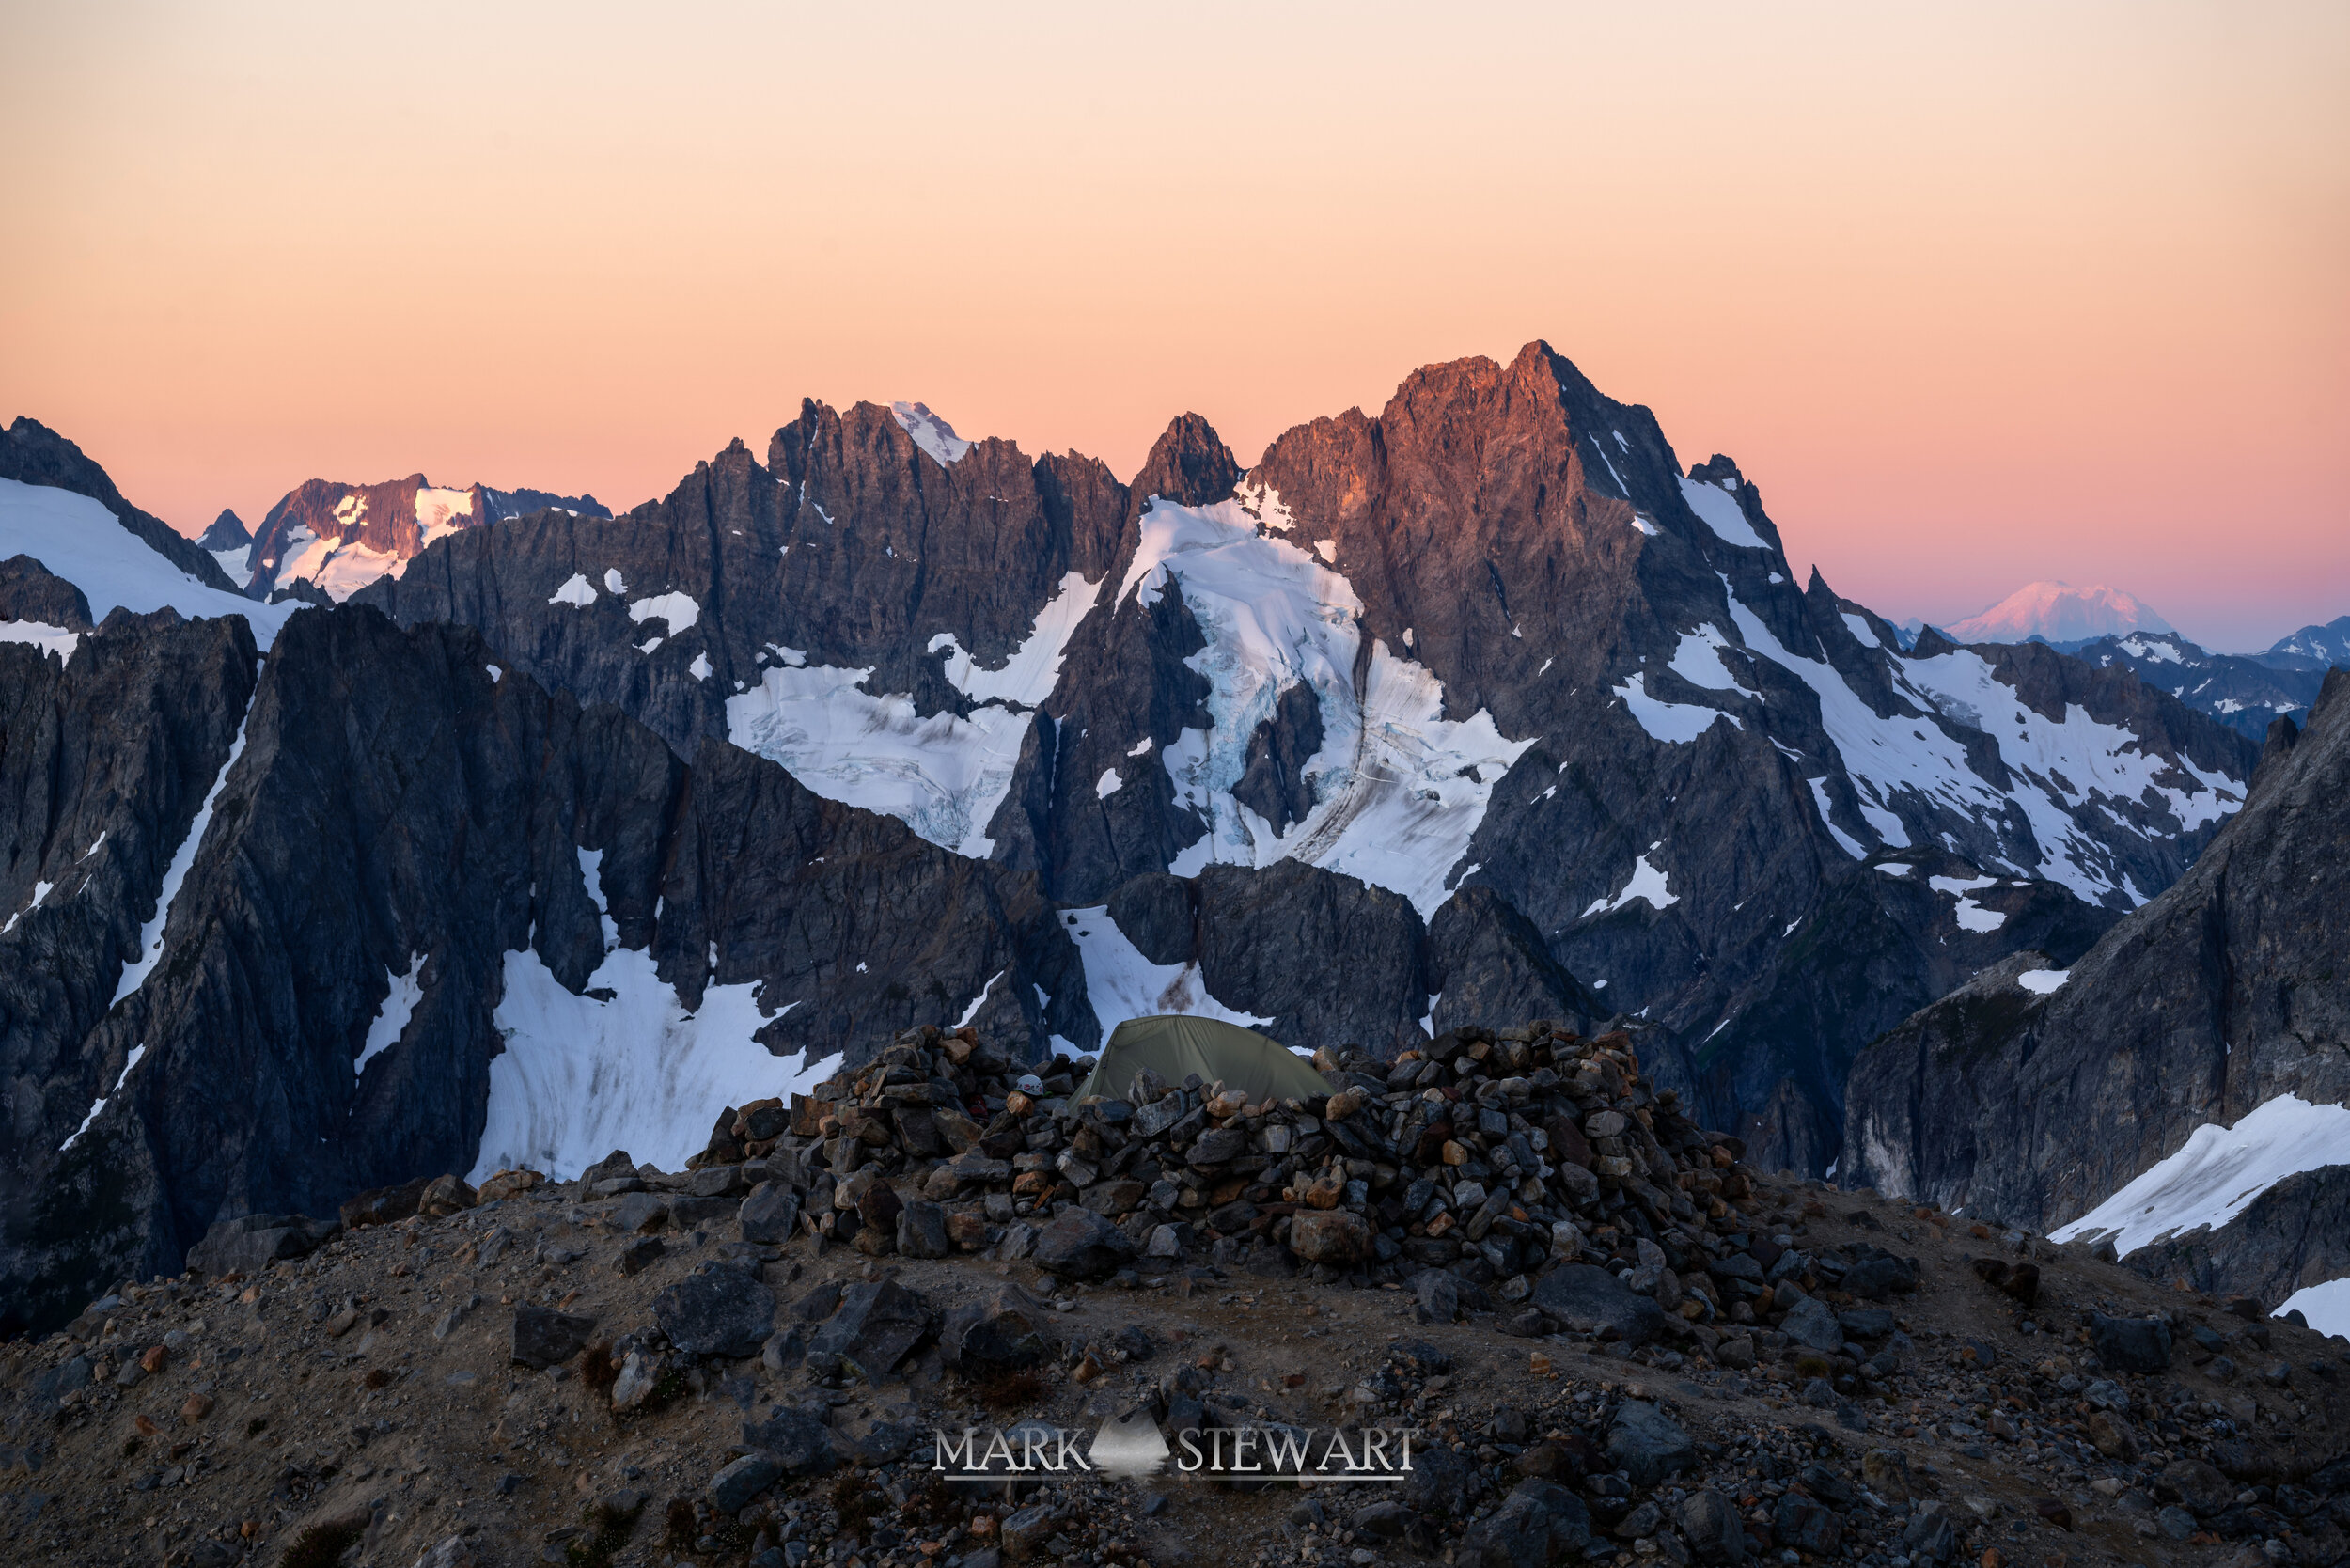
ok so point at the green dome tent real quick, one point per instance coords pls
(1175, 1044)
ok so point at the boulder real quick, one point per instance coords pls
(251, 1244)
(1000, 1332)
(732, 1488)
(1443, 1480)
(2131, 1344)
(1218, 1145)
(1874, 1279)
(1436, 1295)
(689, 1213)
(637, 1212)
(546, 1337)
(1081, 1244)
(641, 1374)
(613, 1165)
(1590, 1300)
(877, 1324)
(1798, 1524)
(1648, 1444)
(771, 1215)
(1537, 1524)
(443, 1196)
(801, 1442)
(1332, 1236)
(2199, 1487)
(383, 1205)
(921, 1228)
(1812, 1324)
(1709, 1523)
(718, 1309)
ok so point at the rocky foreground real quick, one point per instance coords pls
(1642, 1350)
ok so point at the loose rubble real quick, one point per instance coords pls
(1610, 1340)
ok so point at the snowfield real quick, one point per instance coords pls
(944, 776)
(80, 541)
(2218, 1173)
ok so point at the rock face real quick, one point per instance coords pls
(395, 813)
(29, 591)
(2221, 995)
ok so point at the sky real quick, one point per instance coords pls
(1978, 293)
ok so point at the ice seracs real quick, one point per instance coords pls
(1397, 790)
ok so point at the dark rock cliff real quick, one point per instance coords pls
(2227, 991)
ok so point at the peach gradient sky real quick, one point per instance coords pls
(1977, 293)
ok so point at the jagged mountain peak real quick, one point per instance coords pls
(1188, 465)
(226, 532)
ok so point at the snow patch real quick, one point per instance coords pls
(2042, 983)
(1858, 626)
(1698, 659)
(1844, 840)
(1646, 882)
(1718, 511)
(391, 1019)
(1107, 785)
(40, 891)
(980, 1000)
(1122, 984)
(100, 1105)
(1677, 721)
(1971, 916)
(1397, 790)
(576, 591)
(578, 1077)
(2217, 1174)
(151, 934)
(48, 638)
(1030, 674)
(2326, 1306)
(699, 668)
(932, 434)
(680, 610)
(943, 775)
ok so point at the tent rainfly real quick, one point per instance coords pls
(1175, 1045)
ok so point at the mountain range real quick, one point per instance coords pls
(560, 829)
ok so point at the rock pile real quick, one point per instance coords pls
(1526, 1171)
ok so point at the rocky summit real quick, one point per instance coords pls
(823, 1345)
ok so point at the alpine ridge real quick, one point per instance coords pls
(1479, 708)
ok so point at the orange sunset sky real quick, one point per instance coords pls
(1977, 293)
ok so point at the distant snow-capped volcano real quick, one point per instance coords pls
(2060, 613)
